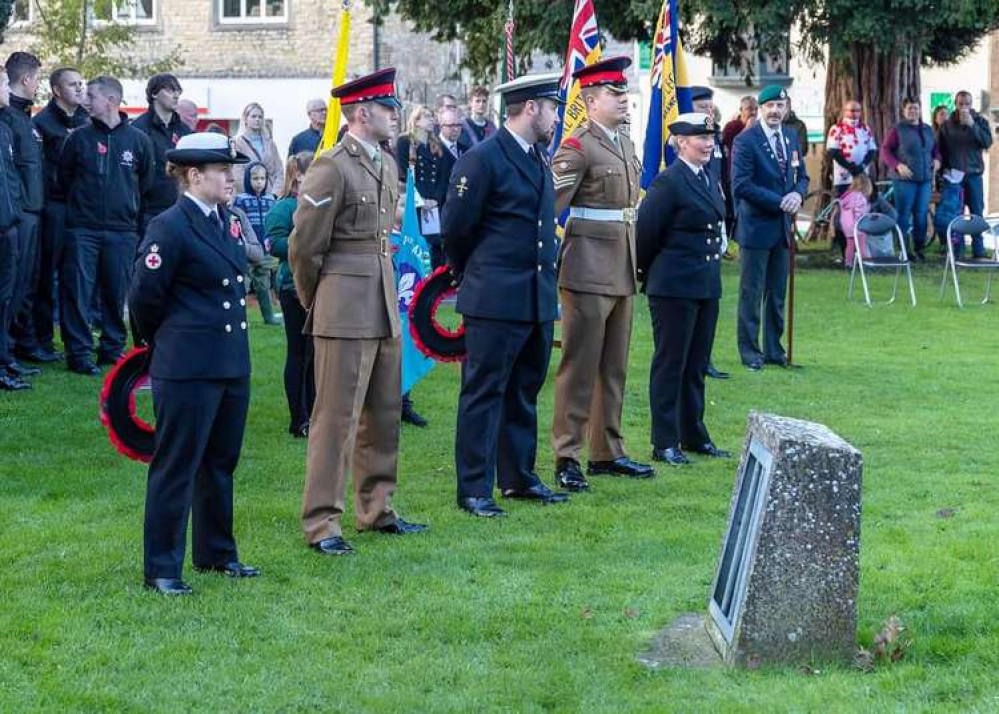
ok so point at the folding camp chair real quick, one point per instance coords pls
(885, 251)
(959, 229)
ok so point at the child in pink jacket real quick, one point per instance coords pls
(854, 205)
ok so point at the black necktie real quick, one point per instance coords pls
(779, 149)
(703, 175)
(216, 221)
(533, 153)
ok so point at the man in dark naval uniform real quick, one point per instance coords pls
(498, 227)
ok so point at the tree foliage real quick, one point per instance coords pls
(731, 31)
(77, 33)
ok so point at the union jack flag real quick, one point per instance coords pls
(584, 49)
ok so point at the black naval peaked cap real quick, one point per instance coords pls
(375, 87)
(698, 92)
(532, 86)
(606, 73)
(692, 124)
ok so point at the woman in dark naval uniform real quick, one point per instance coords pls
(679, 245)
(188, 301)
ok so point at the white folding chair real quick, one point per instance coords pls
(886, 251)
(959, 229)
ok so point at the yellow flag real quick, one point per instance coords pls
(339, 74)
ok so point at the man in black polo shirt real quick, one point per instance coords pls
(164, 128)
(106, 170)
(63, 114)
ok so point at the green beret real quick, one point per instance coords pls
(772, 93)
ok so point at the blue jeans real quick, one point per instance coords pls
(912, 200)
(974, 199)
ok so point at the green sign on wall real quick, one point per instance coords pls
(945, 99)
(645, 57)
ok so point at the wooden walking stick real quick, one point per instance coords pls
(792, 248)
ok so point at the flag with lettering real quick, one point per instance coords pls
(670, 92)
(411, 260)
(584, 49)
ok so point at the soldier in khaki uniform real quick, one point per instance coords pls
(596, 178)
(340, 258)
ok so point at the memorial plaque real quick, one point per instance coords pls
(785, 589)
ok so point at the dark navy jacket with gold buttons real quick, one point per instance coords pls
(498, 226)
(679, 236)
(188, 295)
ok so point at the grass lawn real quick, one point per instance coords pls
(542, 611)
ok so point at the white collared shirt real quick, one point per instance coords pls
(693, 167)
(520, 140)
(205, 208)
(770, 134)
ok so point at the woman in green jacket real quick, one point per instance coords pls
(299, 381)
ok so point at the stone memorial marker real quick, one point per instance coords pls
(786, 585)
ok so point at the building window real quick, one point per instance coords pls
(764, 69)
(21, 12)
(127, 12)
(251, 12)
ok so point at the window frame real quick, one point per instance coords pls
(244, 20)
(134, 20)
(14, 23)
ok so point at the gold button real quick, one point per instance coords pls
(228, 328)
(239, 278)
(242, 301)
(242, 325)
(226, 305)
(225, 282)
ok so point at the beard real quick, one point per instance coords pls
(542, 134)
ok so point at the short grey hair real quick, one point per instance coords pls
(314, 105)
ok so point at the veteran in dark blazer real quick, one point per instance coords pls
(339, 254)
(768, 185)
(498, 227)
(679, 240)
(188, 302)
(596, 178)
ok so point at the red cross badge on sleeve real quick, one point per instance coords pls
(153, 261)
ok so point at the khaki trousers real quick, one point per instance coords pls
(354, 428)
(589, 385)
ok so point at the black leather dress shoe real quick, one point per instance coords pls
(481, 507)
(569, 475)
(334, 545)
(88, 369)
(411, 416)
(299, 431)
(401, 527)
(540, 492)
(672, 456)
(756, 365)
(22, 370)
(12, 383)
(107, 360)
(710, 450)
(234, 569)
(620, 467)
(169, 586)
(715, 373)
(39, 356)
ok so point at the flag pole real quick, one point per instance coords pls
(507, 66)
(340, 59)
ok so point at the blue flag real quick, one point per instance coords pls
(670, 92)
(411, 260)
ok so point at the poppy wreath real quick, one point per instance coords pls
(431, 337)
(128, 432)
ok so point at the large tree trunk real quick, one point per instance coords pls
(879, 81)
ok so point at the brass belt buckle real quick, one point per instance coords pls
(629, 215)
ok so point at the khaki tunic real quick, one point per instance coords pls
(340, 257)
(597, 282)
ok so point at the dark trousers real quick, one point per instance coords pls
(299, 378)
(8, 278)
(95, 258)
(683, 331)
(436, 245)
(839, 237)
(974, 199)
(763, 285)
(199, 433)
(50, 251)
(497, 431)
(22, 330)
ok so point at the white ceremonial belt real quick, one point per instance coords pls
(612, 215)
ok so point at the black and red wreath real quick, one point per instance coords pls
(431, 337)
(130, 434)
